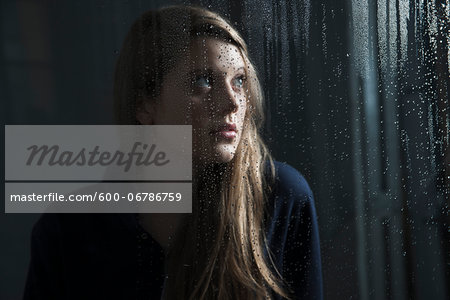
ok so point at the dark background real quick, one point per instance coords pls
(357, 100)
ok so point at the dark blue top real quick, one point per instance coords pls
(110, 256)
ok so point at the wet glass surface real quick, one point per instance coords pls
(357, 100)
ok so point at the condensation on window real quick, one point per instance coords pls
(356, 99)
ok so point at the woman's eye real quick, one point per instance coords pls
(202, 81)
(239, 81)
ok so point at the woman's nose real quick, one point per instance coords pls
(227, 98)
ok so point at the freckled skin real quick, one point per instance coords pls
(205, 90)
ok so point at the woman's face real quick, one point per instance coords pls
(206, 89)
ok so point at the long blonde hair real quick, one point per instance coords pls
(221, 253)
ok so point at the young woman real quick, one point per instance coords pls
(253, 231)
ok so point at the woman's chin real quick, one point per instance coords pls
(220, 154)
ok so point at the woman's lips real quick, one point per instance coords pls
(226, 134)
(227, 131)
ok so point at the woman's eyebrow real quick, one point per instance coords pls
(196, 72)
(200, 71)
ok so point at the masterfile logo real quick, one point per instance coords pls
(107, 152)
(54, 156)
(98, 169)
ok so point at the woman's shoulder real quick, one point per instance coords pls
(289, 185)
(57, 221)
(60, 227)
(292, 232)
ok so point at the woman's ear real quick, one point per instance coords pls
(145, 112)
